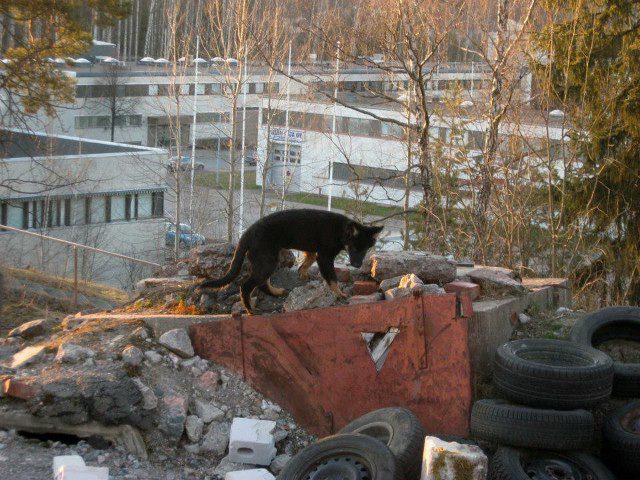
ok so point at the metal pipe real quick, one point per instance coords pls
(75, 276)
(78, 245)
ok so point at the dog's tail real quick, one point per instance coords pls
(234, 268)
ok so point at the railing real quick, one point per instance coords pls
(75, 246)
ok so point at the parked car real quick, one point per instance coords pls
(183, 163)
(188, 238)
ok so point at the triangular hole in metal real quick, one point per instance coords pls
(378, 344)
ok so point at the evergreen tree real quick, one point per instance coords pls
(593, 73)
(41, 30)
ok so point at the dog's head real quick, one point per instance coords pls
(359, 239)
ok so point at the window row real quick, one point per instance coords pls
(395, 86)
(213, 117)
(324, 123)
(104, 121)
(57, 212)
(170, 90)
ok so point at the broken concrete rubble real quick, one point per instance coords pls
(206, 411)
(251, 441)
(193, 427)
(27, 356)
(132, 356)
(216, 439)
(495, 282)
(254, 474)
(72, 353)
(452, 461)
(31, 329)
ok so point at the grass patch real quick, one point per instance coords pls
(89, 289)
(209, 180)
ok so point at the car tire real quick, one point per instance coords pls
(621, 440)
(513, 464)
(613, 323)
(400, 430)
(343, 456)
(552, 374)
(500, 422)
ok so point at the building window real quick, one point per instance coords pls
(3, 214)
(25, 215)
(145, 205)
(87, 210)
(107, 209)
(135, 206)
(153, 90)
(67, 212)
(117, 208)
(127, 207)
(157, 199)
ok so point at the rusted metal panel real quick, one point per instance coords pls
(316, 363)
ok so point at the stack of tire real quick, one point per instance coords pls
(543, 426)
(385, 444)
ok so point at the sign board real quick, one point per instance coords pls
(279, 135)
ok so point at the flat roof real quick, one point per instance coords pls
(20, 144)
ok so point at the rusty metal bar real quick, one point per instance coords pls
(78, 245)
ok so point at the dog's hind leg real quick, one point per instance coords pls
(261, 270)
(307, 261)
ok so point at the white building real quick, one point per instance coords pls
(105, 195)
(370, 156)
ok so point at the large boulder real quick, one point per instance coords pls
(31, 329)
(429, 268)
(212, 260)
(178, 341)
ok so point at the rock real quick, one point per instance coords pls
(429, 268)
(178, 283)
(149, 399)
(314, 294)
(139, 333)
(279, 435)
(19, 388)
(72, 353)
(216, 439)
(463, 288)
(279, 462)
(496, 283)
(563, 311)
(364, 287)
(360, 299)
(189, 362)
(178, 341)
(193, 448)
(390, 283)
(399, 292)
(132, 356)
(445, 460)
(193, 426)
(172, 416)
(153, 356)
(208, 381)
(524, 318)
(213, 259)
(71, 322)
(27, 356)
(225, 466)
(207, 412)
(31, 329)
(410, 281)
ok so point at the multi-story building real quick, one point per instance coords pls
(102, 194)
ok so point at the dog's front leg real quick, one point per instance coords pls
(328, 272)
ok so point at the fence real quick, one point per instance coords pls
(75, 246)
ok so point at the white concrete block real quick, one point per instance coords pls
(60, 460)
(255, 474)
(78, 472)
(251, 441)
(452, 461)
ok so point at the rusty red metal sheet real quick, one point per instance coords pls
(316, 363)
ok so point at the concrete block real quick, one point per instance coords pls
(363, 287)
(452, 461)
(463, 288)
(254, 474)
(70, 460)
(77, 472)
(492, 324)
(251, 441)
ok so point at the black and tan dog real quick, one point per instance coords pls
(320, 235)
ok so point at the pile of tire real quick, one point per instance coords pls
(385, 444)
(542, 424)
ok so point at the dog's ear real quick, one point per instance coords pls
(351, 230)
(375, 230)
